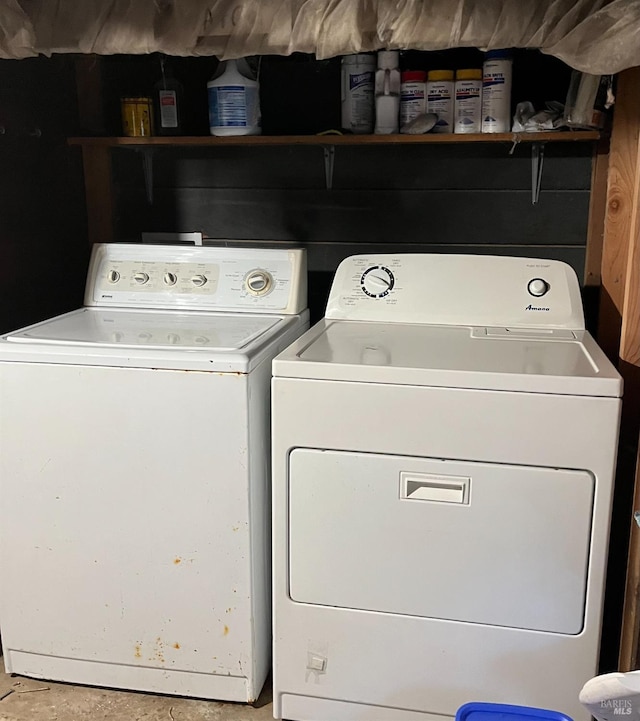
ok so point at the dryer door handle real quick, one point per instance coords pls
(441, 489)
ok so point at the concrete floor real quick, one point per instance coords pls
(24, 699)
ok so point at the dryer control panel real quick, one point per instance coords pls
(457, 290)
(197, 278)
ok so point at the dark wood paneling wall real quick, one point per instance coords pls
(43, 246)
(471, 199)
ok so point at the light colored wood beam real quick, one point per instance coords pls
(597, 213)
(620, 225)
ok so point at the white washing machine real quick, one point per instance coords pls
(134, 472)
(444, 444)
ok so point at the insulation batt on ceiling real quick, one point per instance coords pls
(595, 36)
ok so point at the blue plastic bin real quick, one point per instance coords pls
(506, 712)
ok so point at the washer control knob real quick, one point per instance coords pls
(538, 287)
(259, 282)
(113, 276)
(199, 280)
(170, 278)
(141, 278)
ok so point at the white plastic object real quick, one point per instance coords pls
(234, 102)
(422, 123)
(387, 89)
(496, 92)
(357, 80)
(584, 106)
(612, 696)
(468, 101)
(440, 99)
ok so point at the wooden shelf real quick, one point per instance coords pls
(271, 140)
(96, 156)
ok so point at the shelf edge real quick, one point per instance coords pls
(321, 140)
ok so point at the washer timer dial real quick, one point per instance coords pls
(377, 281)
(258, 282)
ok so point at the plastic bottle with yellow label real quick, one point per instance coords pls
(440, 99)
(468, 101)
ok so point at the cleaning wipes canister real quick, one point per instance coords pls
(412, 95)
(496, 92)
(440, 99)
(468, 101)
(357, 80)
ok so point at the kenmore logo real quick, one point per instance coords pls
(533, 307)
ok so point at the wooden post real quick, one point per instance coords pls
(630, 337)
(597, 213)
(98, 192)
(630, 617)
(621, 217)
(619, 327)
(91, 114)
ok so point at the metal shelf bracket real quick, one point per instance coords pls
(537, 161)
(329, 152)
(147, 167)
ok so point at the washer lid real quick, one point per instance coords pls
(216, 341)
(523, 359)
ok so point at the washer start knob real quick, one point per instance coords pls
(538, 287)
(259, 282)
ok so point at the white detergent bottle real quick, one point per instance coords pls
(234, 101)
(387, 92)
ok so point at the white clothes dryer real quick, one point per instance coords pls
(444, 444)
(134, 472)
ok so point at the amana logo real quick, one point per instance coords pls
(535, 307)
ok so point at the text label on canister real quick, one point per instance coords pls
(137, 117)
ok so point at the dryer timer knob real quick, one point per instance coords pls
(538, 287)
(377, 281)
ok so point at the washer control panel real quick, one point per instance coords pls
(457, 290)
(146, 276)
(199, 278)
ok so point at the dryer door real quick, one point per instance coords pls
(471, 542)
